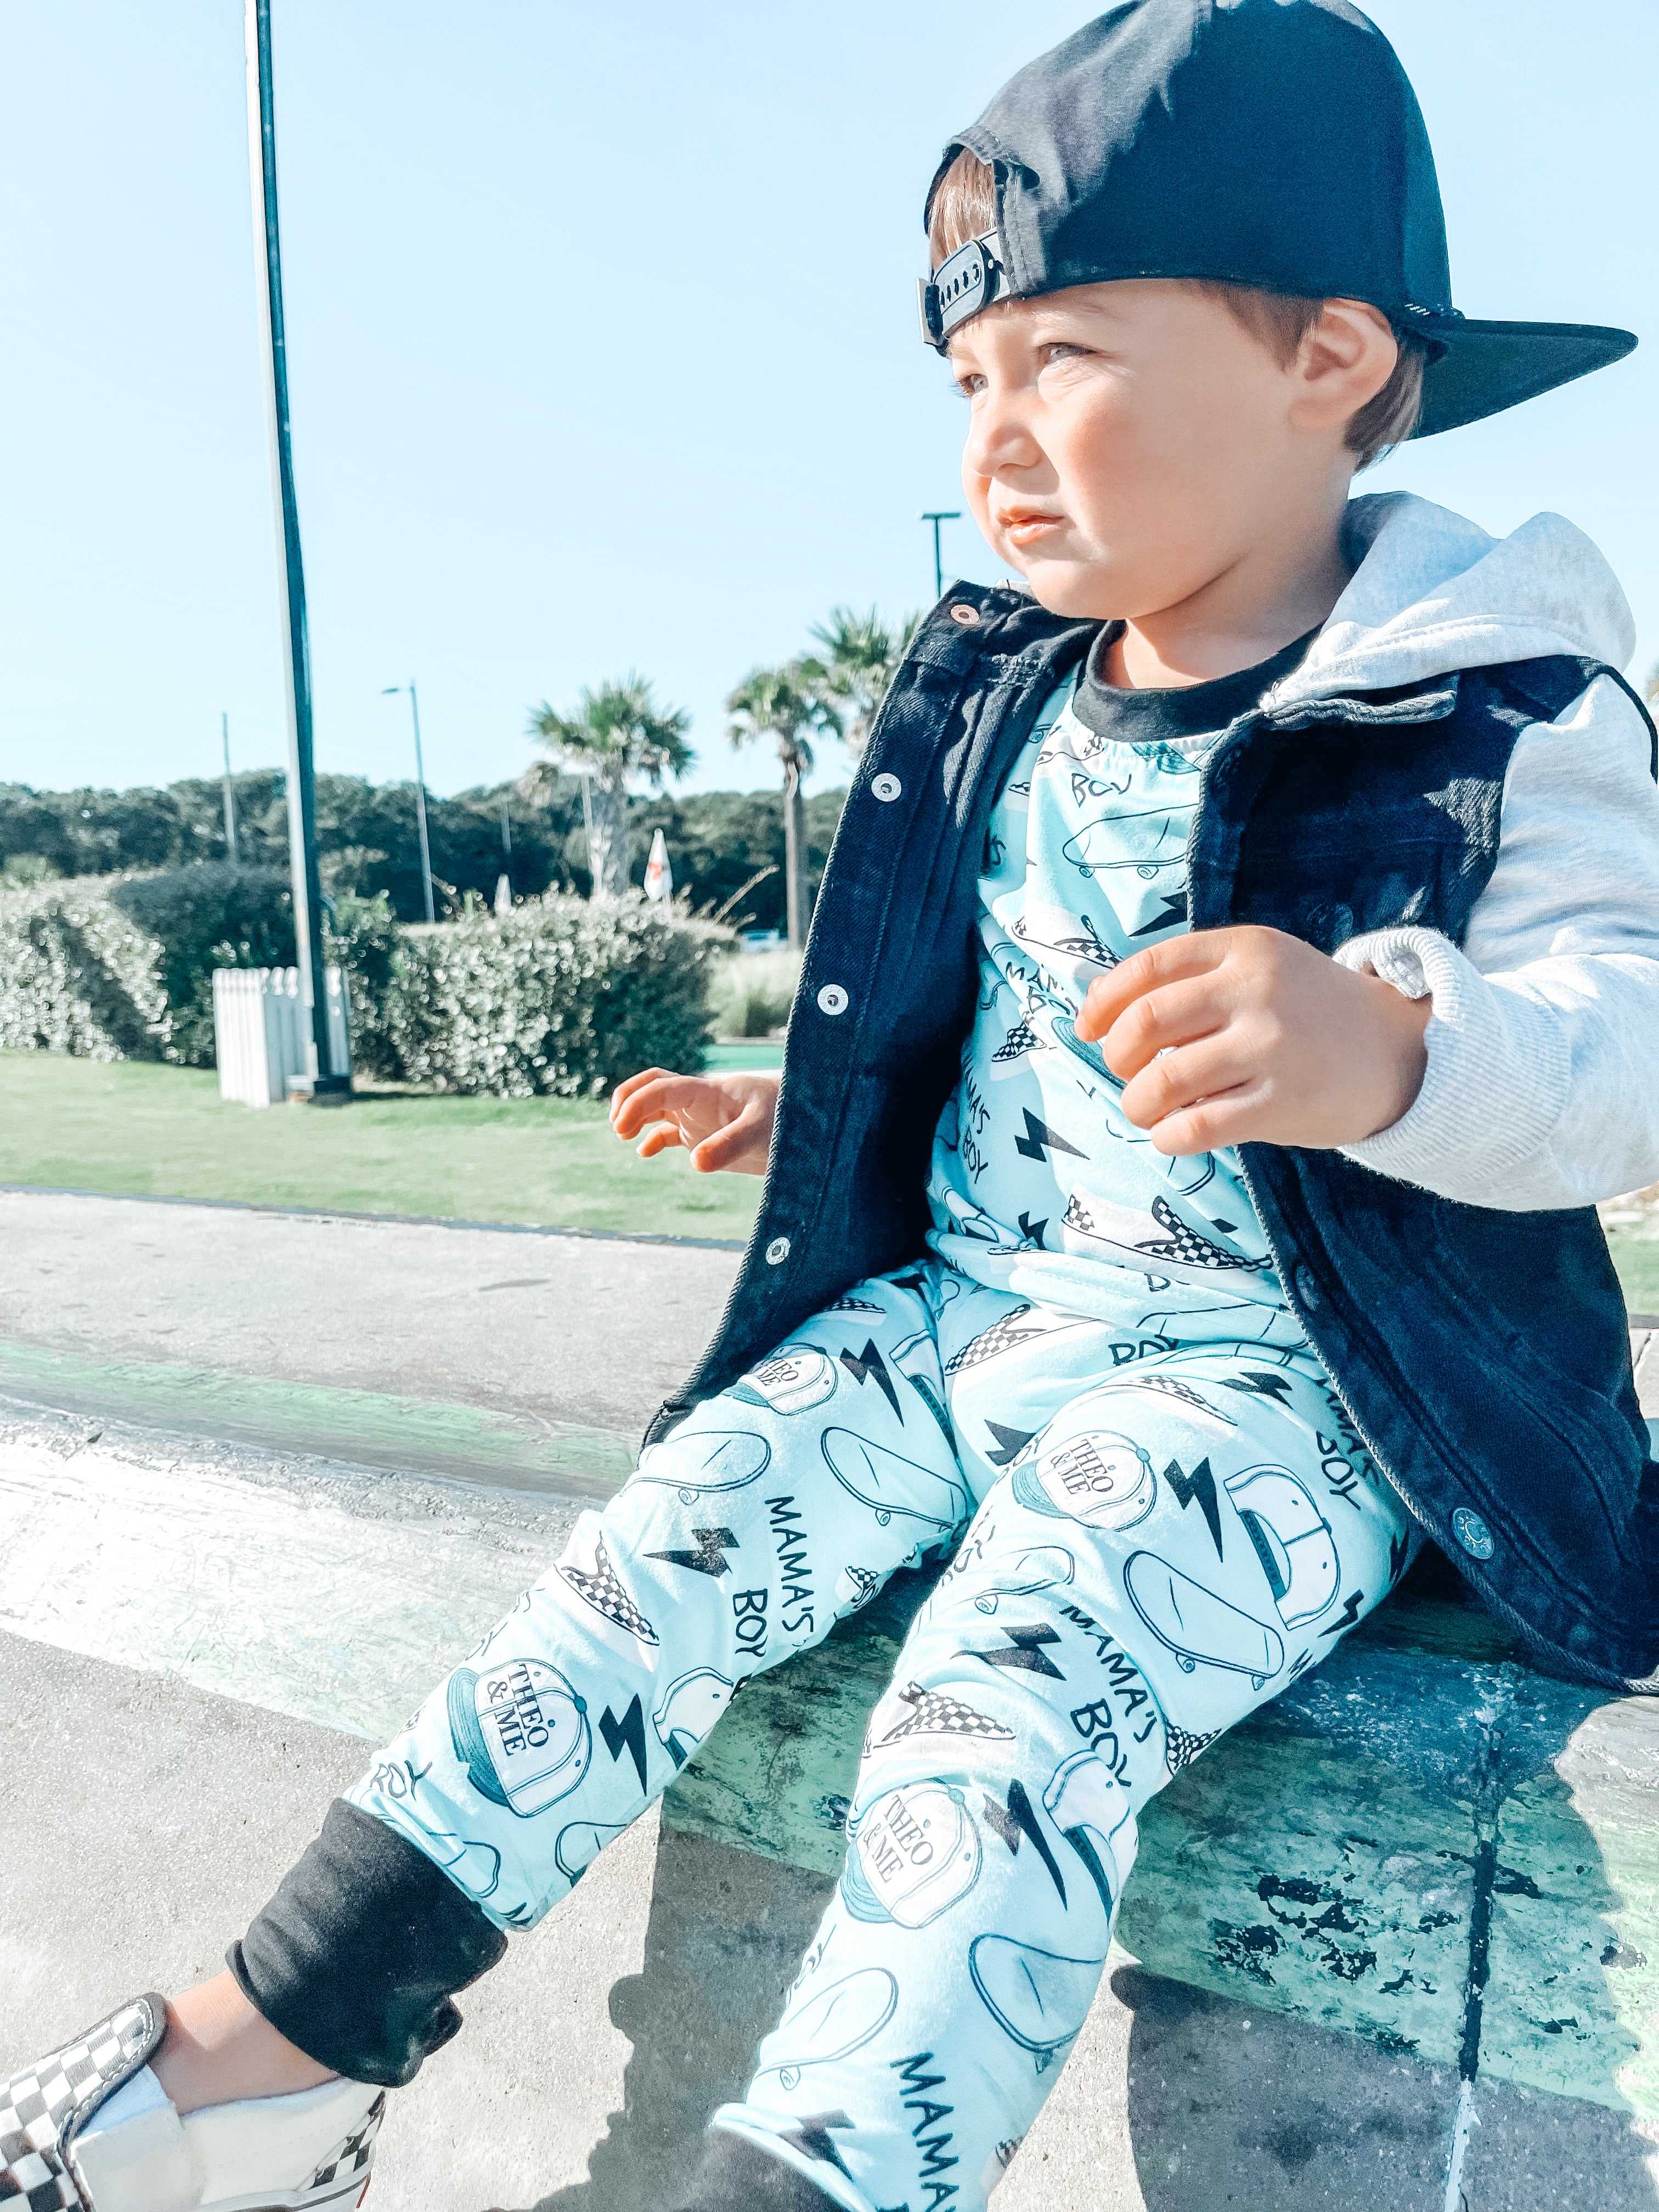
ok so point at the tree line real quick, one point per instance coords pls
(582, 819)
(718, 841)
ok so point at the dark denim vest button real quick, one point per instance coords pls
(962, 613)
(832, 1000)
(777, 1252)
(885, 789)
(1473, 1534)
(1305, 1288)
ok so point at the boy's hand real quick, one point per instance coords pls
(1229, 1036)
(723, 1120)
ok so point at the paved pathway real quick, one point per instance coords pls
(535, 1357)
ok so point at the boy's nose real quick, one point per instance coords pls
(999, 437)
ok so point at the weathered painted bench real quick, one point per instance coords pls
(1426, 1842)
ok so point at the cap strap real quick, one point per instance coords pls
(970, 279)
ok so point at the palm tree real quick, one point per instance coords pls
(788, 705)
(860, 658)
(616, 735)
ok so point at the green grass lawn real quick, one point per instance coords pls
(138, 1129)
(1632, 1230)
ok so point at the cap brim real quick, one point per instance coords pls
(1484, 368)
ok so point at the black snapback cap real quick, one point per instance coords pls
(1271, 142)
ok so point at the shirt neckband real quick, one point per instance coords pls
(1192, 710)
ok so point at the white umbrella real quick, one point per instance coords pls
(658, 876)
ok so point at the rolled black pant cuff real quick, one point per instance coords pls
(357, 1958)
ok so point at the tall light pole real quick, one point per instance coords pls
(937, 516)
(234, 857)
(420, 791)
(322, 1078)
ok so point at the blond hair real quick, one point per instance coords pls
(964, 206)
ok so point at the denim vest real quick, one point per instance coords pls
(1483, 1355)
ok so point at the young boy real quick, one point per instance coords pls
(1234, 982)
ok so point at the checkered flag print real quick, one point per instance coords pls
(1188, 1249)
(850, 1304)
(932, 1713)
(601, 1588)
(1181, 1746)
(1018, 1042)
(43, 2108)
(1170, 1386)
(355, 2154)
(1001, 1336)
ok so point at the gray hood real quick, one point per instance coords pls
(1433, 593)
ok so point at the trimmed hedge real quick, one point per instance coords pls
(206, 917)
(560, 996)
(121, 967)
(78, 976)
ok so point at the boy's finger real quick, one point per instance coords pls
(1170, 1014)
(1108, 996)
(661, 1139)
(1230, 1118)
(1209, 1068)
(659, 1096)
(727, 1145)
(626, 1089)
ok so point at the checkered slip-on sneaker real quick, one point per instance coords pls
(58, 2155)
(45, 2107)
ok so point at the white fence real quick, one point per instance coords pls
(262, 1036)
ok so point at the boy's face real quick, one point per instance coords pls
(1131, 442)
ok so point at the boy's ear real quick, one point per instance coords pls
(1342, 363)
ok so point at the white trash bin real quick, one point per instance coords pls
(260, 1031)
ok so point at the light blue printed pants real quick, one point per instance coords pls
(1146, 1543)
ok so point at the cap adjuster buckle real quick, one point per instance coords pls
(969, 280)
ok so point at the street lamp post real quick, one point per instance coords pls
(420, 791)
(233, 857)
(322, 1079)
(937, 516)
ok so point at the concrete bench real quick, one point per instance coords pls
(1426, 1842)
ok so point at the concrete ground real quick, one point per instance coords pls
(198, 1633)
(509, 1355)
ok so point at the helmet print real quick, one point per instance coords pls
(1100, 1478)
(521, 1731)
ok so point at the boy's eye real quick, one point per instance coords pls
(971, 384)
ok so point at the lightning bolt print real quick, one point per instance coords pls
(1350, 1614)
(868, 1367)
(1254, 1384)
(812, 2136)
(1038, 1135)
(710, 1558)
(1201, 1484)
(1024, 1653)
(1175, 910)
(1018, 1818)
(626, 1735)
(1010, 1442)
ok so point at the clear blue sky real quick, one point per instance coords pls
(603, 346)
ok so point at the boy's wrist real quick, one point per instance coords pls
(1407, 1020)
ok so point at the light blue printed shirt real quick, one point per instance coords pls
(1041, 1186)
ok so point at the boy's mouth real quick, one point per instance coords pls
(1026, 526)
